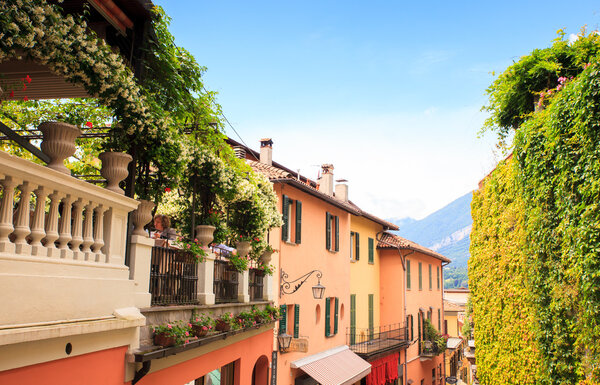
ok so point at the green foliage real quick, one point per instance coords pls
(455, 277)
(535, 265)
(511, 96)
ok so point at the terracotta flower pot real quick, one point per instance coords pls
(58, 143)
(222, 326)
(114, 169)
(204, 234)
(243, 248)
(199, 331)
(164, 340)
(141, 216)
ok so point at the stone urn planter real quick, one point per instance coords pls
(266, 256)
(204, 234)
(58, 143)
(243, 248)
(141, 216)
(114, 169)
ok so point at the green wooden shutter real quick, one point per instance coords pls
(296, 320)
(352, 319)
(357, 246)
(438, 277)
(298, 222)
(327, 316)
(412, 328)
(335, 321)
(420, 276)
(371, 250)
(337, 233)
(328, 231)
(430, 280)
(285, 208)
(371, 311)
(419, 330)
(283, 319)
(407, 274)
(439, 320)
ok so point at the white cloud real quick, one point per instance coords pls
(573, 37)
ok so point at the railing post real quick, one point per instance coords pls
(64, 236)
(77, 228)
(6, 214)
(37, 229)
(22, 224)
(52, 225)
(244, 280)
(140, 255)
(88, 231)
(206, 279)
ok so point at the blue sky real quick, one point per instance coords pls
(389, 92)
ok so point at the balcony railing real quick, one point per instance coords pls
(429, 349)
(256, 284)
(367, 342)
(173, 277)
(225, 283)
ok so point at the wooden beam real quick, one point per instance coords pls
(24, 142)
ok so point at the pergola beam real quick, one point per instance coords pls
(23, 142)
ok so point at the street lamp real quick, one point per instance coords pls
(286, 286)
(284, 340)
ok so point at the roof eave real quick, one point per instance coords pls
(302, 186)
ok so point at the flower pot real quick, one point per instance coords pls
(222, 326)
(114, 169)
(243, 248)
(199, 331)
(141, 216)
(204, 234)
(164, 340)
(266, 256)
(58, 143)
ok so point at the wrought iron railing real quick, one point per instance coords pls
(256, 284)
(173, 277)
(373, 340)
(225, 282)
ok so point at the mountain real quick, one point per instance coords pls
(445, 231)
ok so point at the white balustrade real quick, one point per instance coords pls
(64, 218)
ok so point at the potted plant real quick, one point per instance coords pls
(193, 248)
(238, 263)
(171, 334)
(265, 269)
(201, 325)
(224, 322)
(272, 312)
(246, 319)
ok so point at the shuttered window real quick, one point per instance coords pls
(439, 320)
(352, 319)
(283, 319)
(419, 330)
(408, 274)
(430, 281)
(438, 277)
(337, 233)
(335, 321)
(420, 276)
(298, 238)
(332, 220)
(357, 246)
(328, 231)
(371, 313)
(327, 316)
(296, 320)
(285, 213)
(371, 250)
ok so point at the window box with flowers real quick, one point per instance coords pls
(201, 325)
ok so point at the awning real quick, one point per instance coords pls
(337, 366)
(453, 342)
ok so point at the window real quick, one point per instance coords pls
(408, 274)
(332, 232)
(290, 320)
(430, 284)
(352, 319)
(292, 220)
(331, 316)
(433, 376)
(371, 313)
(438, 277)
(371, 250)
(420, 276)
(439, 320)
(354, 246)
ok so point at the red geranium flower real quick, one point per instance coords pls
(25, 98)
(12, 94)
(167, 189)
(89, 124)
(28, 79)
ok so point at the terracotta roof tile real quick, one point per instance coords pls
(270, 172)
(389, 241)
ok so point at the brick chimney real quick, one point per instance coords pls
(341, 190)
(266, 151)
(326, 179)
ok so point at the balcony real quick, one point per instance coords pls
(429, 349)
(368, 343)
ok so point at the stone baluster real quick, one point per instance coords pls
(88, 235)
(52, 225)
(6, 214)
(64, 234)
(77, 228)
(22, 229)
(99, 233)
(37, 228)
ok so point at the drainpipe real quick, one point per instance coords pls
(142, 372)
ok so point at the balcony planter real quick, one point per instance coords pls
(141, 216)
(114, 169)
(222, 326)
(204, 234)
(243, 248)
(164, 340)
(58, 143)
(199, 330)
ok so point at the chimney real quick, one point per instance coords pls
(326, 180)
(341, 190)
(266, 151)
(240, 152)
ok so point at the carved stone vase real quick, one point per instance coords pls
(243, 248)
(58, 143)
(114, 169)
(204, 234)
(266, 256)
(141, 216)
